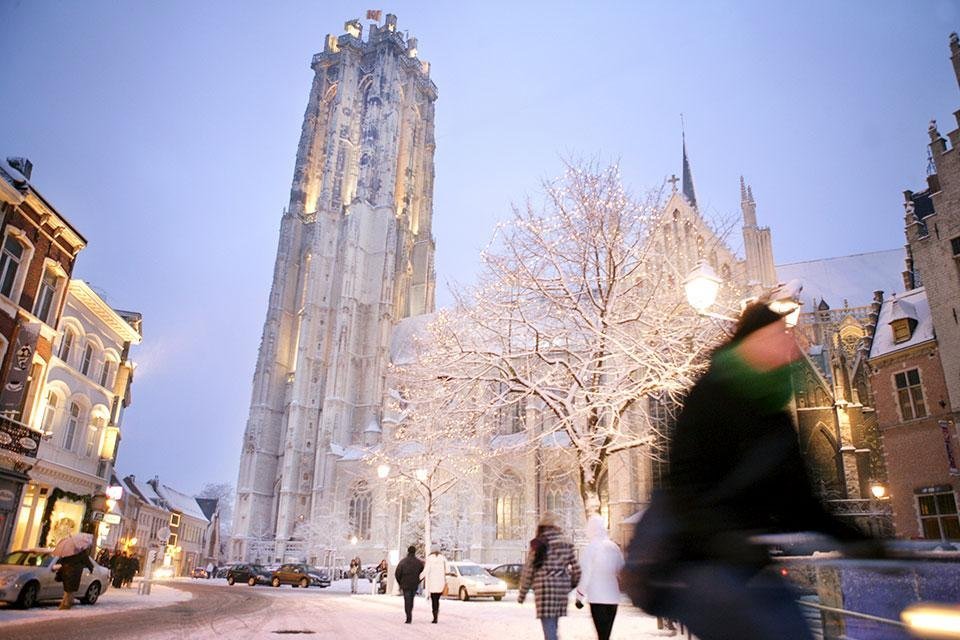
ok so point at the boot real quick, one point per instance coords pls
(67, 601)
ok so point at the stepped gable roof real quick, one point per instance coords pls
(208, 506)
(898, 307)
(851, 278)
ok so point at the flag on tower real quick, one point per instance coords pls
(374, 14)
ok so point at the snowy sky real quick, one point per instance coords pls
(166, 132)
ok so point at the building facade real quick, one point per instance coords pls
(39, 248)
(79, 412)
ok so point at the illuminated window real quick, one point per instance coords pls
(910, 394)
(509, 508)
(70, 433)
(93, 437)
(50, 412)
(106, 372)
(10, 259)
(938, 516)
(46, 295)
(174, 519)
(901, 330)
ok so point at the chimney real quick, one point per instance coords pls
(23, 165)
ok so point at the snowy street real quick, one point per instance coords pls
(263, 612)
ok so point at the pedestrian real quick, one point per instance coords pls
(354, 572)
(407, 574)
(434, 578)
(74, 554)
(133, 566)
(118, 566)
(736, 472)
(552, 571)
(599, 586)
(210, 569)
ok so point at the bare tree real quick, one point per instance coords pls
(223, 492)
(580, 315)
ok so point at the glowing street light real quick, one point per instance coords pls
(383, 471)
(878, 490)
(421, 474)
(702, 286)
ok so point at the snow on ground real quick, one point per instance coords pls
(333, 613)
(112, 601)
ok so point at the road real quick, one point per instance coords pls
(260, 613)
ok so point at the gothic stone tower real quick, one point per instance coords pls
(355, 257)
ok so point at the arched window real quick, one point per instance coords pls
(93, 437)
(67, 344)
(87, 359)
(70, 433)
(50, 412)
(509, 508)
(106, 374)
(359, 515)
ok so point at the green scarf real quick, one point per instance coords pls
(768, 391)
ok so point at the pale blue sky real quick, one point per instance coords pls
(166, 132)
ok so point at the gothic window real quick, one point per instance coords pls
(713, 259)
(359, 511)
(509, 508)
(700, 246)
(73, 420)
(910, 394)
(10, 259)
(512, 415)
(725, 271)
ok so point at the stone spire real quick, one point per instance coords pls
(747, 205)
(688, 191)
(757, 243)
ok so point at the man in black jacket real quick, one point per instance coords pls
(408, 577)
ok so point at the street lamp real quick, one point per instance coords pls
(383, 471)
(702, 285)
(878, 490)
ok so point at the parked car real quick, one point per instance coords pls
(300, 575)
(509, 573)
(26, 578)
(252, 574)
(221, 572)
(198, 572)
(467, 580)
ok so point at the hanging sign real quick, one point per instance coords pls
(15, 386)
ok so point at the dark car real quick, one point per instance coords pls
(509, 573)
(252, 574)
(300, 575)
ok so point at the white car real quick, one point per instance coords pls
(26, 577)
(467, 580)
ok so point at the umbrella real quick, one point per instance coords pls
(73, 544)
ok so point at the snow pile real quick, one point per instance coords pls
(112, 601)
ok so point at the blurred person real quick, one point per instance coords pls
(736, 472)
(354, 573)
(601, 561)
(210, 568)
(407, 574)
(434, 578)
(74, 553)
(552, 571)
(118, 567)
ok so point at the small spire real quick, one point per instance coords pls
(743, 190)
(688, 191)
(750, 194)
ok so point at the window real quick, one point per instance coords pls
(509, 505)
(46, 294)
(66, 345)
(901, 330)
(105, 373)
(910, 394)
(93, 433)
(87, 358)
(49, 413)
(938, 516)
(359, 511)
(71, 431)
(955, 246)
(174, 519)
(10, 259)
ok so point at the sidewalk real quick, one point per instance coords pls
(113, 601)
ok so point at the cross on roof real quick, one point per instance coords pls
(673, 182)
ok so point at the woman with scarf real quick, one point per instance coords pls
(552, 571)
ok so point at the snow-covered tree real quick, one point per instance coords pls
(322, 533)
(580, 315)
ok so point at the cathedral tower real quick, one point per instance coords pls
(355, 256)
(758, 246)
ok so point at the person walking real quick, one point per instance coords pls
(354, 572)
(434, 578)
(210, 568)
(552, 571)
(407, 574)
(74, 553)
(736, 472)
(601, 562)
(118, 567)
(131, 569)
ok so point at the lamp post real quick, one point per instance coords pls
(702, 286)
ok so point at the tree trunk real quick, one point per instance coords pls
(590, 473)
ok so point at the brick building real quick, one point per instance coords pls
(38, 248)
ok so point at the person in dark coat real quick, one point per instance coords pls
(130, 569)
(552, 571)
(118, 568)
(70, 572)
(407, 574)
(736, 472)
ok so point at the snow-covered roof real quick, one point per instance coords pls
(402, 341)
(144, 490)
(181, 502)
(895, 308)
(846, 278)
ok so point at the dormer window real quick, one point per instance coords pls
(902, 329)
